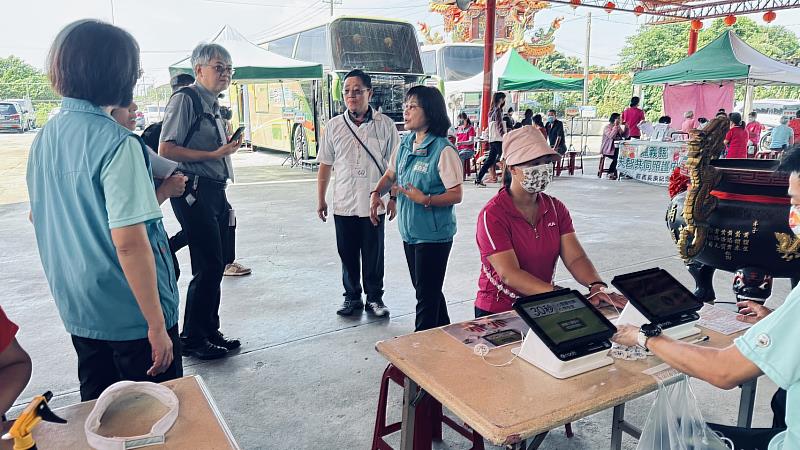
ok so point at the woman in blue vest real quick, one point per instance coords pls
(97, 221)
(427, 174)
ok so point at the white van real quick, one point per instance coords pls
(27, 111)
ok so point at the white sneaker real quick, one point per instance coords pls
(377, 308)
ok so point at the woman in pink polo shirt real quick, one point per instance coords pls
(522, 232)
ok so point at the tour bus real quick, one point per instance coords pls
(445, 63)
(290, 115)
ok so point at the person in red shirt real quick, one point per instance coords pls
(465, 137)
(754, 129)
(737, 137)
(522, 232)
(15, 364)
(632, 117)
(794, 124)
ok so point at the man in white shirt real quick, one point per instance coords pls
(357, 146)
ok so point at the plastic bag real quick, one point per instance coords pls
(675, 422)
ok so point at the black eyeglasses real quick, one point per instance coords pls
(222, 70)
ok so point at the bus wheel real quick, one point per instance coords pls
(299, 143)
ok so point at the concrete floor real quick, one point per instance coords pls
(307, 378)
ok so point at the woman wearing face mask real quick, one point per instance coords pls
(465, 138)
(522, 232)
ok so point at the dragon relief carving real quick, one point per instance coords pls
(706, 146)
(788, 246)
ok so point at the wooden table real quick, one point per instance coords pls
(199, 424)
(508, 405)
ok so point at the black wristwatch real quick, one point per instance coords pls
(647, 331)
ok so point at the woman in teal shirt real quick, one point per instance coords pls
(97, 222)
(427, 174)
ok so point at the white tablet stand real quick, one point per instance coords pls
(632, 316)
(536, 352)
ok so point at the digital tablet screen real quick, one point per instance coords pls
(565, 318)
(503, 337)
(659, 292)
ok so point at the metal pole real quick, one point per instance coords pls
(586, 58)
(112, 12)
(488, 62)
(585, 78)
(332, 8)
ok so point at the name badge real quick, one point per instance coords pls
(420, 167)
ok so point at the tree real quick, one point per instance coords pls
(558, 62)
(19, 79)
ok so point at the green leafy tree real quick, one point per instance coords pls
(558, 62)
(19, 79)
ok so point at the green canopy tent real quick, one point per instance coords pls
(726, 58)
(512, 72)
(253, 63)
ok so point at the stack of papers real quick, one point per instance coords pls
(721, 320)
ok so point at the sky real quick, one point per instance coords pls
(167, 30)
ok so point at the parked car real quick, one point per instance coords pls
(53, 112)
(27, 110)
(154, 113)
(140, 122)
(12, 118)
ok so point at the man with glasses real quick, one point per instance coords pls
(198, 141)
(357, 145)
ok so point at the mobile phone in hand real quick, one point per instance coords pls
(236, 135)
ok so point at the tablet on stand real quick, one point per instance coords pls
(655, 296)
(568, 336)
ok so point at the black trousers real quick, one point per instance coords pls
(206, 224)
(757, 438)
(495, 152)
(427, 264)
(482, 313)
(179, 241)
(103, 363)
(360, 243)
(613, 167)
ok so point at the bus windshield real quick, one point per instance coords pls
(374, 46)
(461, 62)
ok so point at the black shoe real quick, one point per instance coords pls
(203, 349)
(221, 341)
(350, 307)
(479, 183)
(377, 308)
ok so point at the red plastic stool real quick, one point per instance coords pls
(428, 414)
(568, 159)
(602, 168)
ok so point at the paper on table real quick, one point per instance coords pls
(162, 167)
(721, 320)
(475, 332)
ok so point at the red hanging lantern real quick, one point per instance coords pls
(730, 20)
(574, 3)
(610, 6)
(638, 11)
(769, 16)
(697, 24)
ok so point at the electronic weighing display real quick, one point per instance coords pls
(566, 323)
(659, 297)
